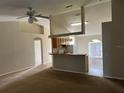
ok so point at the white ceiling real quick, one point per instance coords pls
(11, 9)
(46, 7)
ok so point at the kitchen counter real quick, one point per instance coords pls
(70, 62)
(67, 54)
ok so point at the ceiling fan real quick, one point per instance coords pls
(32, 15)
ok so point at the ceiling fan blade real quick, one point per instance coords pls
(22, 17)
(42, 16)
(35, 19)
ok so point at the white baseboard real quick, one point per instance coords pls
(48, 62)
(16, 71)
(118, 78)
(68, 71)
(76, 72)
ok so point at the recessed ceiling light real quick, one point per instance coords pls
(86, 22)
(96, 40)
(68, 6)
(76, 24)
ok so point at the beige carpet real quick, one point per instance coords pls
(50, 81)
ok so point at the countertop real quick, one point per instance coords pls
(68, 54)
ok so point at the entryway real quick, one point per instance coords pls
(95, 58)
(38, 52)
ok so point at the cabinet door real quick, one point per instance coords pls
(54, 43)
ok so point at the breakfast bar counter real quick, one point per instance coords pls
(77, 63)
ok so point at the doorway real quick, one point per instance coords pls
(95, 58)
(38, 52)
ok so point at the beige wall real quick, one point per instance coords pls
(17, 49)
(61, 23)
(81, 43)
(31, 28)
(96, 15)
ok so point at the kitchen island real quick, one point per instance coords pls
(77, 63)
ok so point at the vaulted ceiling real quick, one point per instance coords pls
(46, 7)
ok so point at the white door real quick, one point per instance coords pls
(38, 52)
(95, 59)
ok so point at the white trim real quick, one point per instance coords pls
(76, 72)
(97, 3)
(100, 76)
(16, 71)
(68, 71)
(88, 74)
(118, 78)
(47, 62)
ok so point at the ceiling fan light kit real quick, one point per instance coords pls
(30, 20)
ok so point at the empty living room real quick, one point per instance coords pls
(61, 46)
